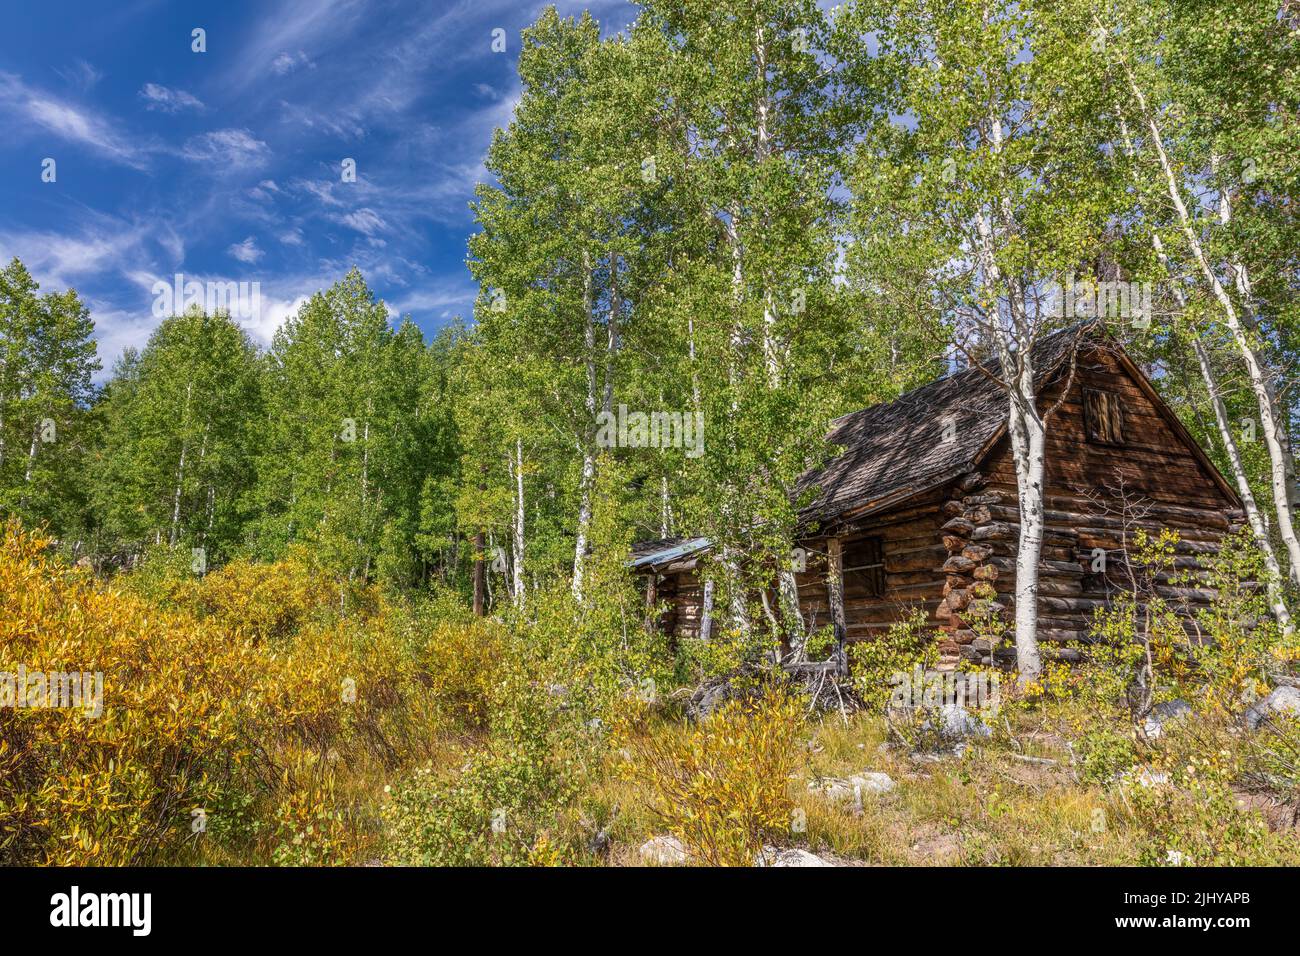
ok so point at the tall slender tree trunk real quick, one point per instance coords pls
(1255, 520)
(585, 440)
(613, 346)
(665, 509)
(1027, 443)
(1027, 437)
(480, 575)
(180, 467)
(1272, 415)
(584, 520)
(792, 618)
(706, 611)
(762, 152)
(518, 469)
(31, 453)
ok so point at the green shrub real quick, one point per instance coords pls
(874, 664)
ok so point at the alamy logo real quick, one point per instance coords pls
(1101, 300)
(239, 300)
(103, 909)
(38, 690)
(932, 690)
(651, 430)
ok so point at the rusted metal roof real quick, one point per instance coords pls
(648, 554)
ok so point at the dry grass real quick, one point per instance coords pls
(986, 807)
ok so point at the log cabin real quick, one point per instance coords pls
(917, 509)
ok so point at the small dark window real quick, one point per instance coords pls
(1103, 416)
(864, 569)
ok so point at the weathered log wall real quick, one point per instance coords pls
(1097, 496)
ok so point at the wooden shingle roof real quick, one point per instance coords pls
(921, 440)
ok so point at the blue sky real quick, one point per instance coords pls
(226, 165)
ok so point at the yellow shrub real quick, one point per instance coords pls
(462, 666)
(722, 786)
(196, 715)
(270, 601)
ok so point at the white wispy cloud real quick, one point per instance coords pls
(323, 191)
(246, 251)
(36, 108)
(227, 148)
(288, 62)
(101, 245)
(332, 119)
(293, 237)
(167, 100)
(365, 221)
(446, 297)
(297, 25)
(80, 75)
(264, 191)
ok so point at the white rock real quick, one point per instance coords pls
(955, 723)
(771, 856)
(664, 851)
(874, 782)
(1281, 700)
(1166, 715)
(850, 791)
(835, 789)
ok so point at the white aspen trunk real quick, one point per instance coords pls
(835, 596)
(584, 521)
(519, 522)
(1241, 275)
(706, 611)
(180, 467)
(203, 454)
(790, 614)
(771, 350)
(730, 571)
(31, 454)
(735, 591)
(1246, 290)
(1272, 416)
(487, 575)
(737, 292)
(1027, 434)
(1027, 446)
(365, 462)
(176, 496)
(1223, 424)
(1258, 528)
(665, 509)
(762, 151)
(695, 373)
(585, 441)
(614, 344)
